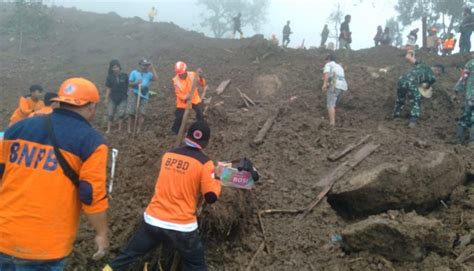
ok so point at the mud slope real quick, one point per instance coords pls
(291, 159)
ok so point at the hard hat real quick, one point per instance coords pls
(144, 61)
(180, 67)
(77, 91)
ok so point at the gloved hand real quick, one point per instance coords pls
(247, 165)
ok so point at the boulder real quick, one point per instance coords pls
(414, 184)
(398, 237)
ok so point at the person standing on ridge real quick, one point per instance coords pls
(286, 34)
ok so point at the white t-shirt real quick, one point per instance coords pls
(336, 70)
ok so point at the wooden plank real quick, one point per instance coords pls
(347, 149)
(247, 104)
(331, 179)
(248, 99)
(345, 167)
(261, 134)
(222, 87)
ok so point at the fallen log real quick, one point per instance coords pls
(220, 89)
(337, 174)
(266, 127)
(345, 167)
(347, 149)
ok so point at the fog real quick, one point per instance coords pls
(307, 17)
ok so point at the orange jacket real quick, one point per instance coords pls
(43, 111)
(449, 44)
(39, 205)
(26, 106)
(183, 87)
(185, 174)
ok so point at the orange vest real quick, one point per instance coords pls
(185, 174)
(26, 106)
(449, 43)
(183, 87)
(43, 111)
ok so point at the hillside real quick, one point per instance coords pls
(293, 157)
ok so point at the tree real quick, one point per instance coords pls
(395, 32)
(219, 14)
(29, 18)
(336, 18)
(431, 12)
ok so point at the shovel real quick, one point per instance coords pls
(137, 110)
(112, 170)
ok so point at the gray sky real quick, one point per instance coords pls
(307, 16)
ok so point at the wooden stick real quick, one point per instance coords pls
(243, 98)
(273, 211)
(208, 103)
(347, 149)
(337, 174)
(345, 167)
(222, 87)
(261, 134)
(260, 248)
(137, 110)
(203, 96)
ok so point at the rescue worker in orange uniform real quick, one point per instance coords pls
(40, 201)
(184, 82)
(449, 44)
(170, 218)
(28, 104)
(49, 105)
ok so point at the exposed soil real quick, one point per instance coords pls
(293, 156)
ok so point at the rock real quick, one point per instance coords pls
(407, 237)
(413, 184)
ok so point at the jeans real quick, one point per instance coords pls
(147, 238)
(9, 263)
(179, 113)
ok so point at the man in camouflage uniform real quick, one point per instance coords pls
(421, 75)
(466, 85)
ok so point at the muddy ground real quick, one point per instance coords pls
(294, 154)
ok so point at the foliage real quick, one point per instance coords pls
(219, 14)
(28, 18)
(395, 32)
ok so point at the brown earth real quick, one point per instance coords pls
(293, 156)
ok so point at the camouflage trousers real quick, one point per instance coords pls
(414, 96)
(467, 118)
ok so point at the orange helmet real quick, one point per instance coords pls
(77, 91)
(180, 67)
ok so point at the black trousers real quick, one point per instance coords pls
(147, 238)
(179, 113)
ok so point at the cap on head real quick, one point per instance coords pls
(36, 87)
(180, 67)
(331, 57)
(77, 91)
(144, 61)
(200, 133)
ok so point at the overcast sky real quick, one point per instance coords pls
(307, 16)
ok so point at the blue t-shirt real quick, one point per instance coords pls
(146, 78)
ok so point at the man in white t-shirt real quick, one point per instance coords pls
(334, 85)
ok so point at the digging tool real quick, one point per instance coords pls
(112, 170)
(189, 106)
(137, 110)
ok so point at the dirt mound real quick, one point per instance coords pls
(293, 155)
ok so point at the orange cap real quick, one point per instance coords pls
(77, 91)
(180, 67)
